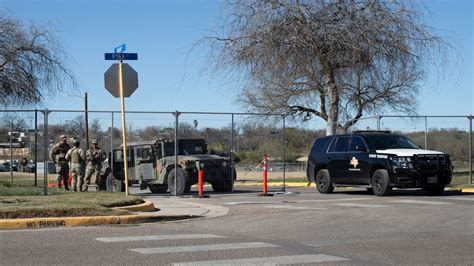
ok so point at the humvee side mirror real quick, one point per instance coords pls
(236, 159)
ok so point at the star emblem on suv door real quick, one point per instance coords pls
(354, 162)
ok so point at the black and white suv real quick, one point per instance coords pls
(377, 160)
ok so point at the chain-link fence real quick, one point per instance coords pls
(157, 141)
(228, 146)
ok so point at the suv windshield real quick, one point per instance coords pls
(390, 142)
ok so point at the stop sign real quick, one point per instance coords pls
(130, 80)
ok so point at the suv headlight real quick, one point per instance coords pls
(224, 164)
(402, 162)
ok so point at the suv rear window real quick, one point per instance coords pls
(342, 144)
(320, 145)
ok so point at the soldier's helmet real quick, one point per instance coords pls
(76, 143)
(63, 137)
(94, 141)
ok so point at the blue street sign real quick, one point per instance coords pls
(120, 49)
(121, 56)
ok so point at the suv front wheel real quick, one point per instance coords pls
(323, 182)
(381, 183)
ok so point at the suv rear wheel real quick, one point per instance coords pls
(323, 182)
(381, 183)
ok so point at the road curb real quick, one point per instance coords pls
(147, 206)
(35, 223)
(467, 190)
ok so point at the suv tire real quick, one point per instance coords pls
(435, 190)
(323, 182)
(381, 183)
(181, 178)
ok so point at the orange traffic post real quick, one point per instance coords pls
(265, 177)
(200, 183)
(200, 166)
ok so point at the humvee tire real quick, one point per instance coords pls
(158, 188)
(181, 179)
(226, 184)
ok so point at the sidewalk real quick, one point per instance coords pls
(165, 209)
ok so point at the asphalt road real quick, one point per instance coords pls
(346, 227)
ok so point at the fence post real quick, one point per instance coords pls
(285, 142)
(45, 152)
(36, 147)
(11, 149)
(232, 150)
(176, 128)
(426, 132)
(470, 149)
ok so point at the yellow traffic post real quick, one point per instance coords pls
(124, 130)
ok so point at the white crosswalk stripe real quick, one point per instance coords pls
(277, 260)
(426, 202)
(360, 205)
(280, 260)
(290, 207)
(156, 237)
(213, 247)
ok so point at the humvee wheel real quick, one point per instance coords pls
(226, 184)
(181, 178)
(158, 188)
(114, 185)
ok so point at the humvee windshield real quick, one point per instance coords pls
(186, 147)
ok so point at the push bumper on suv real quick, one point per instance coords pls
(428, 170)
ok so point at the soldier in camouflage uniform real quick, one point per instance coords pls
(94, 157)
(58, 156)
(77, 158)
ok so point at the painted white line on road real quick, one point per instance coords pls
(332, 200)
(156, 237)
(289, 207)
(281, 260)
(361, 205)
(421, 202)
(229, 246)
(460, 198)
(243, 203)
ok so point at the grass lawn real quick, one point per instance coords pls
(27, 202)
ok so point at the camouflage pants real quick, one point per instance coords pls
(92, 175)
(63, 174)
(77, 172)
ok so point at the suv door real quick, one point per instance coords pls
(358, 165)
(337, 158)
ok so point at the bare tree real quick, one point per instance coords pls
(336, 60)
(31, 62)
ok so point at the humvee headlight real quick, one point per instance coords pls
(201, 165)
(224, 164)
(402, 162)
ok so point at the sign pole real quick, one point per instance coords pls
(124, 129)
